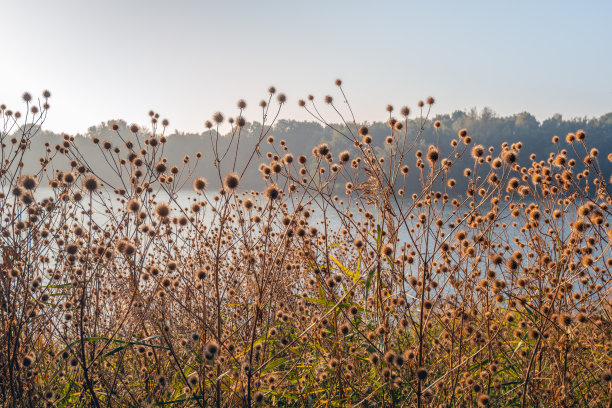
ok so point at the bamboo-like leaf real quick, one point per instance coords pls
(367, 288)
(274, 364)
(344, 269)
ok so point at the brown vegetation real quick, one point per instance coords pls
(331, 287)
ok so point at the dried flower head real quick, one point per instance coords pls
(91, 184)
(231, 181)
(199, 184)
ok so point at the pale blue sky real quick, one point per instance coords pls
(187, 59)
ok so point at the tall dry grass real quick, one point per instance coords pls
(332, 287)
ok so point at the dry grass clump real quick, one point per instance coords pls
(331, 287)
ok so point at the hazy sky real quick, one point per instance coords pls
(187, 59)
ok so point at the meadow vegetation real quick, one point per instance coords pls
(356, 276)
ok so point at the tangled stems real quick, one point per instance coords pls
(367, 276)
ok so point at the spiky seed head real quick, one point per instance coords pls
(484, 400)
(91, 183)
(231, 181)
(68, 177)
(27, 360)
(422, 373)
(533, 334)
(28, 182)
(272, 192)
(160, 167)
(199, 184)
(133, 205)
(389, 357)
(218, 118)
(344, 156)
(212, 348)
(258, 397)
(322, 149)
(510, 156)
(433, 154)
(162, 210)
(193, 379)
(477, 151)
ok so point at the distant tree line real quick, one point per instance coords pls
(484, 127)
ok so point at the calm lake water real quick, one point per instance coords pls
(106, 209)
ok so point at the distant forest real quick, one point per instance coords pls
(484, 127)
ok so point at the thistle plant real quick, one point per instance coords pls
(331, 286)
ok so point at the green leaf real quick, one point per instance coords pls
(344, 269)
(66, 285)
(86, 339)
(274, 364)
(321, 292)
(367, 288)
(114, 351)
(176, 401)
(358, 271)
